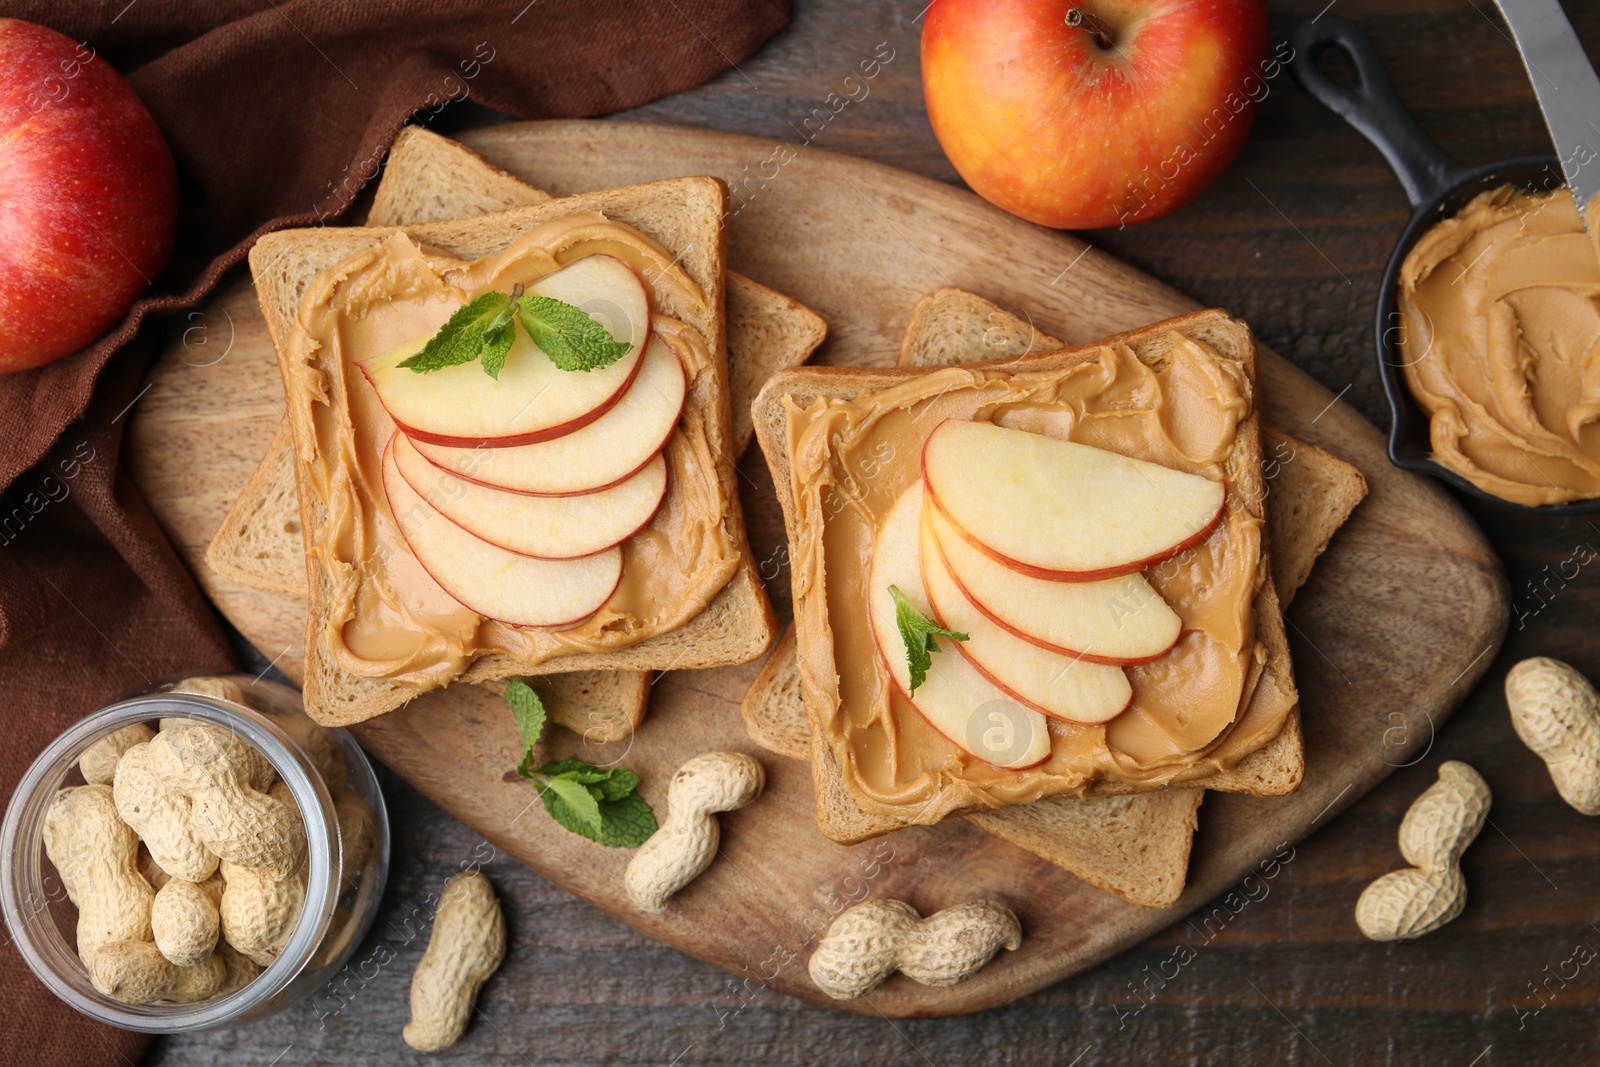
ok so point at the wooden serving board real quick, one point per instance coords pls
(1400, 618)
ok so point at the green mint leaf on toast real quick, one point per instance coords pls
(918, 632)
(571, 804)
(476, 327)
(529, 712)
(571, 339)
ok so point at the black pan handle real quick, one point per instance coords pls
(1372, 107)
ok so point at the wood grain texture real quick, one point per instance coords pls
(1288, 979)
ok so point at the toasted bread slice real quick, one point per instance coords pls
(1313, 491)
(684, 216)
(259, 542)
(599, 706)
(1136, 847)
(1274, 769)
(429, 178)
(950, 326)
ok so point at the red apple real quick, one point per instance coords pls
(88, 196)
(1122, 117)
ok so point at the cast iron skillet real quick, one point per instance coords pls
(1437, 186)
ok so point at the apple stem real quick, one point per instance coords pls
(1078, 18)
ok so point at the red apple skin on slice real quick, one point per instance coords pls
(532, 400)
(1063, 687)
(608, 451)
(545, 527)
(1121, 622)
(970, 711)
(497, 584)
(1060, 510)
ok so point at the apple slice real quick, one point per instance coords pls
(533, 399)
(963, 705)
(491, 581)
(1066, 687)
(1060, 510)
(609, 450)
(546, 527)
(1117, 621)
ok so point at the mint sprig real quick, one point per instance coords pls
(600, 804)
(479, 329)
(572, 339)
(484, 329)
(918, 632)
(530, 715)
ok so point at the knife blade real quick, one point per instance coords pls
(1567, 88)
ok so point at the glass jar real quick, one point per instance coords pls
(339, 905)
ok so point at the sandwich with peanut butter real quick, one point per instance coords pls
(1032, 580)
(513, 448)
(429, 178)
(1134, 846)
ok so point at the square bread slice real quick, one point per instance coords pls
(683, 215)
(1136, 847)
(1272, 770)
(429, 178)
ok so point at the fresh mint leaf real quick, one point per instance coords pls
(601, 805)
(571, 339)
(618, 784)
(477, 328)
(571, 804)
(918, 632)
(625, 818)
(575, 769)
(496, 344)
(529, 712)
(626, 822)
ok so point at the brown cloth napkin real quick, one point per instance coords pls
(277, 112)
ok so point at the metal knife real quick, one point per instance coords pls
(1565, 83)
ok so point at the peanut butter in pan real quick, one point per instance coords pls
(1501, 345)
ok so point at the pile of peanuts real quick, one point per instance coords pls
(185, 859)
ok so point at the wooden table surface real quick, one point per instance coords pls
(1293, 238)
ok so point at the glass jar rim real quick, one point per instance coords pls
(27, 913)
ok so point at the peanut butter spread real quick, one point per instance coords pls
(1192, 711)
(1501, 345)
(386, 617)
